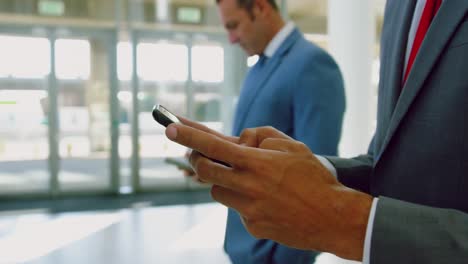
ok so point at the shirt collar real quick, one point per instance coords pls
(278, 39)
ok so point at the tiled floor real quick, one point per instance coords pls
(171, 234)
(165, 234)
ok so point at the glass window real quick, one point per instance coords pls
(208, 63)
(73, 59)
(20, 60)
(83, 87)
(124, 61)
(162, 62)
(83, 111)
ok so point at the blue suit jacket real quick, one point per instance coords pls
(300, 92)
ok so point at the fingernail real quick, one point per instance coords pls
(171, 132)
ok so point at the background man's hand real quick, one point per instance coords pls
(279, 188)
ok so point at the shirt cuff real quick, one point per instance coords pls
(370, 221)
(327, 165)
(370, 225)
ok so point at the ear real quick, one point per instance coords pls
(261, 7)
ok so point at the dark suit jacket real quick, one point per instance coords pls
(300, 92)
(418, 160)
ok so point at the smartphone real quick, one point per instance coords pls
(181, 163)
(164, 116)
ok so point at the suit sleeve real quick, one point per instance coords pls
(355, 173)
(418, 234)
(319, 103)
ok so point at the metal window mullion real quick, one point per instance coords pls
(135, 161)
(114, 113)
(189, 83)
(53, 120)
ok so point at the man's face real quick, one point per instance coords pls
(241, 27)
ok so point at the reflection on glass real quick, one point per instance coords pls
(162, 62)
(73, 59)
(207, 63)
(24, 57)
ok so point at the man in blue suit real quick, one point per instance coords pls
(295, 87)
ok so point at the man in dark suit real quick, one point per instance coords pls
(406, 201)
(295, 87)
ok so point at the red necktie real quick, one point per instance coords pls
(430, 9)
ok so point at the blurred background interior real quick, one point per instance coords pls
(82, 171)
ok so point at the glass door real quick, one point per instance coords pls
(85, 87)
(184, 71)
(162, 74)
(207, 66)
(24, 147)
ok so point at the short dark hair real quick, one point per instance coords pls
(248, 4)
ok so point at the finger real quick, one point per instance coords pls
(253, 137)
(188, 173)
(230, 198)
(208, 144)
(212, 172)
(248, 138)
(284, 145)
(270, 132)
(197, 179)
(206, 129)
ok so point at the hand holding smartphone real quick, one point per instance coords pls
(165, 118)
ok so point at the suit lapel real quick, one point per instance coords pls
(396, 53)
(398, 16)
(257, 79)
(445, 23)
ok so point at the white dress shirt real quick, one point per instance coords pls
(278, 39)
